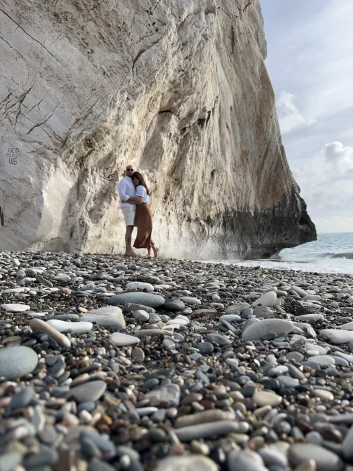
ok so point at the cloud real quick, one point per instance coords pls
(338, 157)
(326, 185)
(289, 115)
(310, 66)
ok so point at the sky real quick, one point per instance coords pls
(310, 63)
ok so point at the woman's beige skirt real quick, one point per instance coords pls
(143, 222)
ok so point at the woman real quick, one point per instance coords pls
(143, 218)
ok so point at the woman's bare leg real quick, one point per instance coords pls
(155, 250)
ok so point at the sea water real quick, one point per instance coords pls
(330, 253)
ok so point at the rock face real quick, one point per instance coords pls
(178, 89)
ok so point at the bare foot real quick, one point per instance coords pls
(155, 251)
(130, 254)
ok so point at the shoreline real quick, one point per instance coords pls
(190, 371)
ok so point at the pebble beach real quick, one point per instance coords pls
(113, 363)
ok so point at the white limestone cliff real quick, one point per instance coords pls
(177, 88)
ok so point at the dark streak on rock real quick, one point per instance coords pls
(2, 219)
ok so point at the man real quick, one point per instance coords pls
(127, 195)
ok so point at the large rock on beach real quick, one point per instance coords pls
(337, 336)
(325, 460)
(16, 362)
(180, 90)
(266, 300)
(107, 316)
(261, 329)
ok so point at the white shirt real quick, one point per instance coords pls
(126, 189)
(141, 191)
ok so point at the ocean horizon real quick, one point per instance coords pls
(330, 253)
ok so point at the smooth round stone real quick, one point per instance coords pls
(107, 316)
(9, 461)
(87, 406)
(314, 437)
(169, 345)
(204, 417)
(186, 463)
(218, 339)
(72, 327)
(295, 372)
(141, 411)
(205, 347)
(138, 354)
(261, 311)
(323, 394)
(22, 398)
(141, 316)
(330, 371)
(348, 326)
(277, 370)
(219, 428)
(16, 362)
(237, 308)
(266, 300)
(338, 336)
(273, 457)
(190, 300)
(177, 321)
(325, 460)
(302, 293)
(174, 305)
(295, 356)
(230, 318)
(246, 460)
(86, 392)
(124, 340)
(63, 278)
(41, 459)
(348, 445)
(169, 393)
(146, 299)
(260, 329)
(264, 398)
(151, 383)
(288, 382)
(15, 307)
(309, 318)
(322, 360)
(311, 346)
(139, 285)
(195, 356)
(232, 362)
(342, 356)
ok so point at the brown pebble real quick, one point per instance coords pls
(199, 447)
(191, 398)
(177, 449)
(62, 340)
(207, 404)
(307, 465)
(66, 291)
(13, 340)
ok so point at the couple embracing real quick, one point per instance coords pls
(134, 196)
